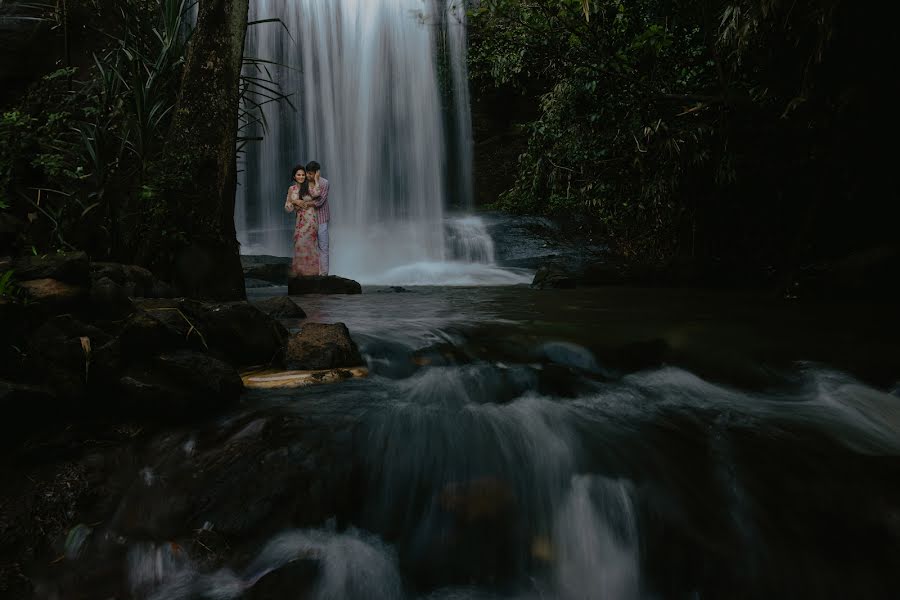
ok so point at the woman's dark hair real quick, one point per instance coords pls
(304, 187)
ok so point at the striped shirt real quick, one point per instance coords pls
(321, 202)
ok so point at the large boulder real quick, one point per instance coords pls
(280, 307)
(135, 281)
(322, 284)
(53, 294)
(322, 346)
(178, 385)
(242, 333)
(146, 333)
(239, 332)
(68, 267)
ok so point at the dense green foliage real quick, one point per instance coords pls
(711, 128)
(78, 148)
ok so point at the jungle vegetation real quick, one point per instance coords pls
(739, 134)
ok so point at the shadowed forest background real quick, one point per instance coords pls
(707, 141)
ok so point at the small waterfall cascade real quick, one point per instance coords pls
(366, 80)
(468, 241)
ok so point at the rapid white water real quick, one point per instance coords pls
(366, 77)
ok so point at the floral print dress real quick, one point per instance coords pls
(306, 234)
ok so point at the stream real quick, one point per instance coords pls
(616, 443)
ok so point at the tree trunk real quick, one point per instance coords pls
(188, 225)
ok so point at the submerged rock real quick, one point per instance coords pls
(322, 346)
(323, 284)
(248, 479)
(551, 277)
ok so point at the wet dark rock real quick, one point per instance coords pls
(295, 580)
(254, 478)
(280, 307)
(552, 277)
(322, 346)
(68, 267)
(242, 333)
(179, 385)
(572, 356)
(322, 284)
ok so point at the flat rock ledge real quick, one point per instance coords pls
(322, 284)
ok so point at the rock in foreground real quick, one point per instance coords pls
(322, 346)
(323, 284)
(280, 307)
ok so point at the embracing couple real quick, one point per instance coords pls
(308, 197)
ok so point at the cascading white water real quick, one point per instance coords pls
(461, 113)
(365, 83)
(468, 241)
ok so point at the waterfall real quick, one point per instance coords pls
(468, 240)
(462, 143)
(364, 79)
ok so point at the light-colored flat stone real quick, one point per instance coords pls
(277, 379)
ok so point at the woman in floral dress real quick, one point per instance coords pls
(306, 249)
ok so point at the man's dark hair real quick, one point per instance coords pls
(312, 166)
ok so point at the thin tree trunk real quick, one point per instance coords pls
(189, 225)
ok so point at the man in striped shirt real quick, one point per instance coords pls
(318, 188)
